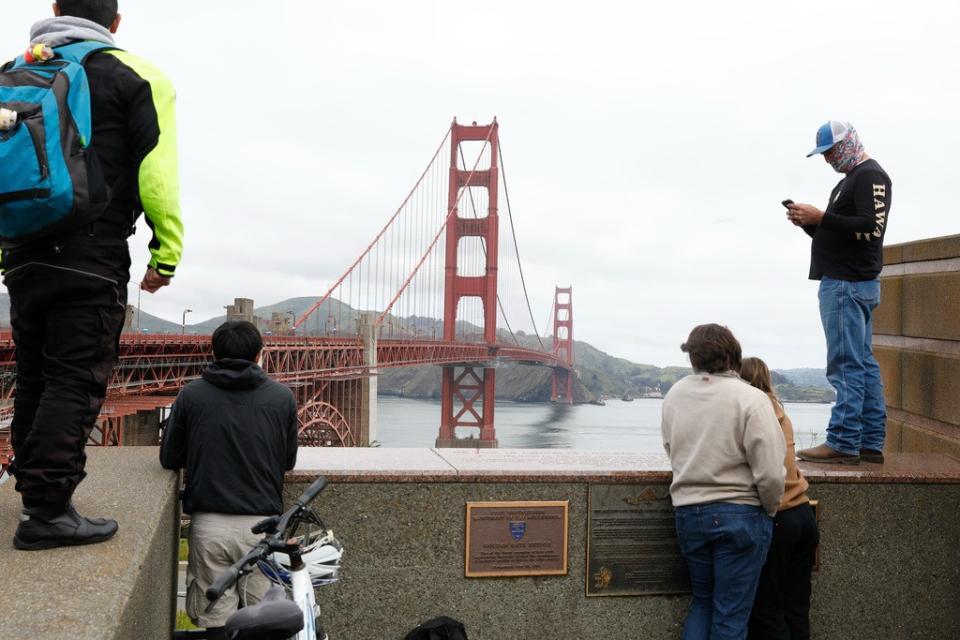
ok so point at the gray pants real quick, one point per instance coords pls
(217, 540)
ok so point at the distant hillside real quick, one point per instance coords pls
(599, 375)
(143, 321)
(806, 377)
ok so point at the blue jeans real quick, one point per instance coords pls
(725, 546)
(859, 417)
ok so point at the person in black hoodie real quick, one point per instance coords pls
(235, 432)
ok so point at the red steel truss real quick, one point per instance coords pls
(160, 364)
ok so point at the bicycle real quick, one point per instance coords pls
(296, 564)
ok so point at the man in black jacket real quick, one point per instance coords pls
(235, 432)
(846, 257)
(68, 292)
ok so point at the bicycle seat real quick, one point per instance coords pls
(273, 618)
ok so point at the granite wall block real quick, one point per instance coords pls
(890, 370)
(889, 568)
(929, 306)
(930, 385)
(886, 318)
(932, 249)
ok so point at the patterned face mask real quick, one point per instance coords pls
(847, 153)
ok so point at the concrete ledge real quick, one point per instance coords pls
(117, 590)
(889, 566)
(920, 250)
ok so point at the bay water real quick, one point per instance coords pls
(616, 426)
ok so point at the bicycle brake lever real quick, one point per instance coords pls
(268, 525)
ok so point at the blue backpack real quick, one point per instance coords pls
(50, 178)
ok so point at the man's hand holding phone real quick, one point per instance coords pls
(802, 214)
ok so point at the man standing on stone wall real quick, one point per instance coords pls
(68, 288)
(846, 257)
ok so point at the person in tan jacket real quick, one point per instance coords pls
(781, 608)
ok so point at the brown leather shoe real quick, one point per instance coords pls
(871, 455)
(827, 455)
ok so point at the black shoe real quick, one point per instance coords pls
(40, 530)
(871, 455)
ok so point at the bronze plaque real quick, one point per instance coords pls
(632, 546)
(516, 539)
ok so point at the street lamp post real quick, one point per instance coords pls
(183, 321)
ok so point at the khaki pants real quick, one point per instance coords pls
(217, 540)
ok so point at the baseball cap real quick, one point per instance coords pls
(830, 134)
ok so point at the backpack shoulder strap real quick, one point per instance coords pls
(79, 51)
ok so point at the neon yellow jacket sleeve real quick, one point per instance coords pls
(158, 175)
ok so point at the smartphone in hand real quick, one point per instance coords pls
(787, 203)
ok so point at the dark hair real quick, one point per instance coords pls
(103, 12)
(713, 349)
(237, 339)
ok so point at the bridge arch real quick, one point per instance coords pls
(322, 425)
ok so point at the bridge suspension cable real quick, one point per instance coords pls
(396, 285)
(376, 250)
(513, 233)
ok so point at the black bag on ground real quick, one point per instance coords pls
(442, 628)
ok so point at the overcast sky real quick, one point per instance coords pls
(648, 145)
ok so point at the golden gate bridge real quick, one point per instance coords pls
(427, 290)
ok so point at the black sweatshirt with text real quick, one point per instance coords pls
(848, 242)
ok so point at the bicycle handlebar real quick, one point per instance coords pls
(306, 498)
(312, 491)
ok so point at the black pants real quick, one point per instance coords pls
(67, 308)
(781, 609)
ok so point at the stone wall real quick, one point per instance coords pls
(121, 589)
(917, 342)
(889, 570)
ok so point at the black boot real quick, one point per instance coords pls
(43, 528)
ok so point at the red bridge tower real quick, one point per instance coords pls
(467, 391)
(563, 345)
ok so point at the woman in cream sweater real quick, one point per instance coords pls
(726, 452)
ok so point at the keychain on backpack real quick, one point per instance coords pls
(8, 119)
(38, 53)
